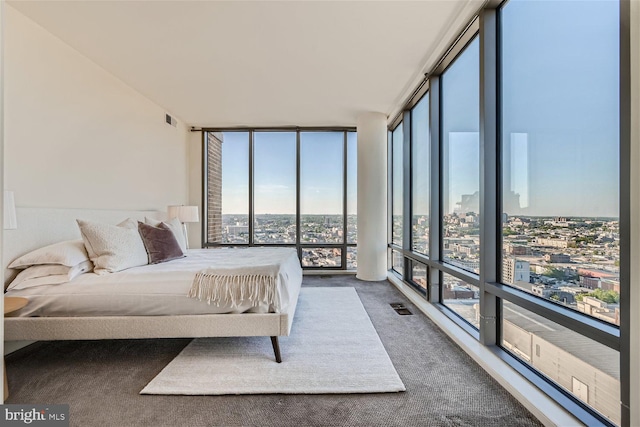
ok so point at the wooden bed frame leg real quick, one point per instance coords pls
(276, 349)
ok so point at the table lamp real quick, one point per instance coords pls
(184, 214)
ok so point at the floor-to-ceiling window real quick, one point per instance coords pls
(521, 130)
(274, 187)
(352, 200)
(397, 169)
(560, 188)
(560, 145)
(280, 187)
(420, 170)
(396, 152)
(460, 144)
(420, 188)
(461, 160)
(235, 194)
(322, 197)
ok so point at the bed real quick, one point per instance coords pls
(142, 302)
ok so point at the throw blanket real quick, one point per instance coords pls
(250, 278)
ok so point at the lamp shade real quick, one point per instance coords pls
(10, 220)
(183, 213)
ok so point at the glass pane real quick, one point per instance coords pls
(462, 298)
(321, 257)
(352, 187)
(398, 262)
(397, 172)
(585, 368)
(461, 159)
(352, 258)
(275, 187)
(419, 275)
(421, 170)
(321, 187)
(235, 187)
(560, 144)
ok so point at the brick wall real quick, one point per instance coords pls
(214, 187)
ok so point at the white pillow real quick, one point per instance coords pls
(55, 279)
(69, 253)
(49, 275)
(112, 248)
(175, 226)
(127, 223)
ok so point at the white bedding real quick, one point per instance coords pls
(153, 290)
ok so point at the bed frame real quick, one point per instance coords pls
(38, 227)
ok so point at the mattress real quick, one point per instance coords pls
(154, 290)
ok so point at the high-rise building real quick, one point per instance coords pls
(514, 270)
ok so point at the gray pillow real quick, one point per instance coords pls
(175, 226)
(160, 242)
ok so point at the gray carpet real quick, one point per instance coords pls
(101, 381)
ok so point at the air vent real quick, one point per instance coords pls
(401, 309)
(170, 120)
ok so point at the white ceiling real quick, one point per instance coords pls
(264, 63)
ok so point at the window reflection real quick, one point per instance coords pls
(461, 160)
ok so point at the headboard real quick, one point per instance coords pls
(39, 227)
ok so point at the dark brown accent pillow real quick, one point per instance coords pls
(160, 243)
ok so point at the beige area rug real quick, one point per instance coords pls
(333, 348)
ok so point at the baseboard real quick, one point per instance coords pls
(327, 272)
(538, 403)
(11, 346)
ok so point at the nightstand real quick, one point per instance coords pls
(11, 304)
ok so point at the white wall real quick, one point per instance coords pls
(78, 137)
(2, 396)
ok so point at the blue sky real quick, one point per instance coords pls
(460, 127)
(321, 170)
(560, 76)
(321, 163)
(560, 86)
(397, 136)
(235, 173)
(420, 153)
(274, 172)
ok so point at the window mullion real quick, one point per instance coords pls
(435, 193)
(204, 200)
(406, 189)
(251, 214)
(299, 249)
(343, 252)
(489, 182)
